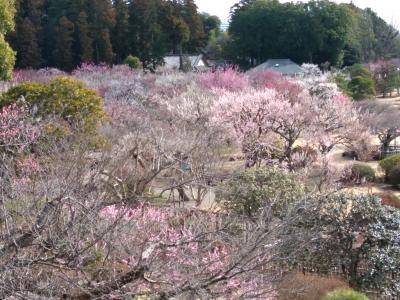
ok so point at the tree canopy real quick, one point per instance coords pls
(7, 56)
(67, 33)
(318, 31)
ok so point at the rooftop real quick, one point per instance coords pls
(283, 66)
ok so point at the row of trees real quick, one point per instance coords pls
(316, 31)
(66, 33)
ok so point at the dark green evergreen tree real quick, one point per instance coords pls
(84, 39)
(120, 33)
(197, 38)
(62, 53)
(27, 38)
(28, 51)
(147, 38)
(313, 32)
(210, 24)
(101, 17)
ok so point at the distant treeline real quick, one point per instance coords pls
(317, 31)
(67, 33)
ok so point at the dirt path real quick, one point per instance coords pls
(207, 204)
(395, 101)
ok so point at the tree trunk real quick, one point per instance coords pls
(352, 270)
(180, 58)
(386, 144)
(289, 154)
(182, 195)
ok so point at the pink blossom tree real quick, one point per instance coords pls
(230, 79)
(261, 78)
(291, 112)
(83, 225)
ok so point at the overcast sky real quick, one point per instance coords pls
(387, 9)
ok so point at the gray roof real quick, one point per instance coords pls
(172, 62)
(283, 66)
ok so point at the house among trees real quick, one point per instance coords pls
(284, 66)
(189, 63)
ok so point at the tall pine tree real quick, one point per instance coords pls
(120, 33)
(28, 51)
(147, 37)
(27, 38)
(101, 17)
(194, 21)
(84, 39)
(62, 53)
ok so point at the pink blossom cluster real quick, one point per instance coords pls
(91, 68)
(15, 128)
(40, 76)
(229, 80)
(263, 78)
(292, 110)
(175, 252)
(29, 164)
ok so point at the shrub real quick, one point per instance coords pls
(345, 233)
(63, 97)
(389, 163)
(361, 85)
(133, 62)
(394, 175)
(345, 294)
(34, 94)
(249, 191)
(343, 83)
(362, 88)
(362, 171)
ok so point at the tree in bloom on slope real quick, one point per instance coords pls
(291, 112)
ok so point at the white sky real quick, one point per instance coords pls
(387, 9)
